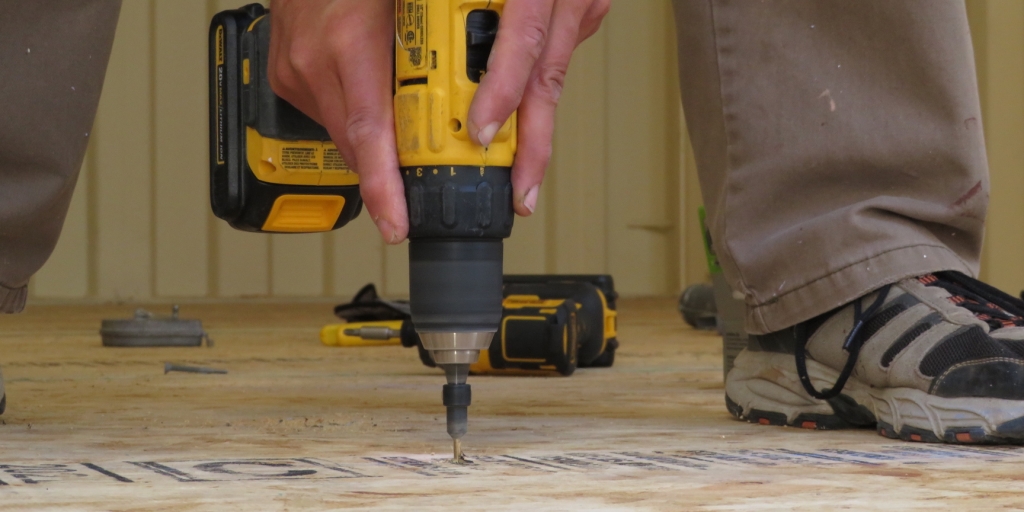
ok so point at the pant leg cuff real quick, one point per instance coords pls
(843, 286)
(12, 300)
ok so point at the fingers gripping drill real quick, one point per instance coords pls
(275, 170)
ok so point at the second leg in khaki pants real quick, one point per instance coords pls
(839, 145)
(843, 167)
(53, 56)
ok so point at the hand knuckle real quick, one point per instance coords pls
(284, 82)
(343, 41)
(302, 58)
(533, 35)
(362, 127)
(549, 81)
(509, 94)
(535, 156)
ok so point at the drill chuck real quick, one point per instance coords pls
(456, 347)
(457, 398)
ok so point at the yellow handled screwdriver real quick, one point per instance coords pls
(362, 334)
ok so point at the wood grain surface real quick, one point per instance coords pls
(295, 425)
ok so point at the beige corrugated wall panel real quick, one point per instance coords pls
(694, 255)
(124, 162)
(693, 262)
(297, 265)
(66, 273)
(396, 270)
(181, 155)
(1001, 64)
(672, 190)
(243, 262)
(525, 249)
(216, 6)
(577, 180)
(357, 257)
(641, 162)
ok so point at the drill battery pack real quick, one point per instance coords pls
(554, 323)
(551, 324)
(272, 168)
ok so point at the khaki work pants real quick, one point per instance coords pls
(839, 145)
(839, 142)
(53, 55)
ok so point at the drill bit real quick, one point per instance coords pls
(454, 352)
(457, 397)
(373, 332)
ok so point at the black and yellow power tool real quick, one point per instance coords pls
(272, 169)
(550, 325)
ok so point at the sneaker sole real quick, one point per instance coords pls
(763, 387)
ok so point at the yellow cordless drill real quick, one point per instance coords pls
(272, 169)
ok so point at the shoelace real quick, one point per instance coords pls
(852, 345)
(989, 304)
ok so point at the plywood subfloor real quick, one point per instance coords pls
(296, 426)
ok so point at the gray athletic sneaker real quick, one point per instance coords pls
(939, 358)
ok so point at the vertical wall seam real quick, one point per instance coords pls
(683, 216)
(270, 265)
(673, 138)
(605, 138)
(212, 257)
(153, 253)
(384, 284)
(552, 204)
(327, 241)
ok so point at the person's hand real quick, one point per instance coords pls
(333, 60)
(526, 71)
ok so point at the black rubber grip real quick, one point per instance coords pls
(455, 284)
(456, 395)
(459, 201)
